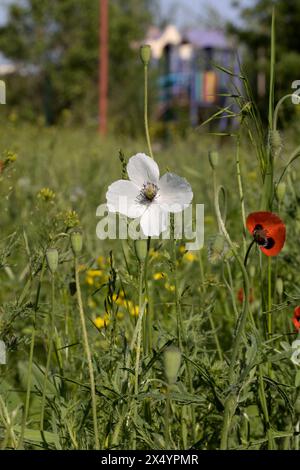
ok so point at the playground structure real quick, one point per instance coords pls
(188, 77)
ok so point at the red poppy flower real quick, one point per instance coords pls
(296, 318)
(240, 295)
(268, 231)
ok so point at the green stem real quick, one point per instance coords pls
(269, 297)
(88, 354)
(146, 109)
(50, 344)
(138, 348)
(167, 419)
(248, 252)
(177, 299)
(264, 406)
(241, 192)
(149, 314)
(212, 325)
(32, 343)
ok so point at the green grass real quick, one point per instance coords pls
(136, 407)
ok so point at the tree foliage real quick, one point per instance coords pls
(55, 45)
(255, 33)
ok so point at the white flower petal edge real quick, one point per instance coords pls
(295, 358)
(122, 196)
(154, 221)
(142, 169)
(175, 193)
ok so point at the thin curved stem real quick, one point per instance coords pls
(248, 252)
(50, 347)
(146, 109)
(32, 344)
(88, 355)
(276, 111)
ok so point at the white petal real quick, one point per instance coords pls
(121, 197)
(175, 193)
(295, 358)
(154, 221)
(142, 169)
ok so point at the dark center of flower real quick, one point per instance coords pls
(148, 192)
(261, 237)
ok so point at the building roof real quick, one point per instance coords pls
(207, 38)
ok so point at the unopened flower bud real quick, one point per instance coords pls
(216, 248)
(213, 159)
(52, 259)
(172, 361)
(141, 249)
(275, 142)
(279, 286)
(76, 242)
(280, 191)
(145, 54)
(252, 271)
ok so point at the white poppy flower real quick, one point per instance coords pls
(147, 196)
(295, 358)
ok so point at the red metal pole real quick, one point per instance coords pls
(103, 65)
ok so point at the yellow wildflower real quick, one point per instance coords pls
(89, 280)
(94, 272)
(132, 308)
(190, 257)
(46, 194)
(101, 261)
(158, 276)
(169, 287)
(101, 322)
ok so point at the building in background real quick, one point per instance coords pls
(187, 75)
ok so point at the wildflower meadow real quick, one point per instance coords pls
(143, 342)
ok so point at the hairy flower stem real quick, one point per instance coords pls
(88, 354)
(138, 347)
(32, 343)
(50, 345)
(146, 109)
(241, 192)
(167, 418)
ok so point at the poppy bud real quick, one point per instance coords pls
(252, 270)
(216, 248)
(280, 191)
(279, 286)
(52, 259)
(275, 142)
(76, 242)
(141, 249)
(172, 361)
(145, 54)
(213, 159)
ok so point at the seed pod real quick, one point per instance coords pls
(145, 54)
(279, 286)
(52, 259)
(280, 191)
(141, 249)
(172, 361)
(213, 157)
(76, 242)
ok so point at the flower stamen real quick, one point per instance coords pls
(148, 193)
